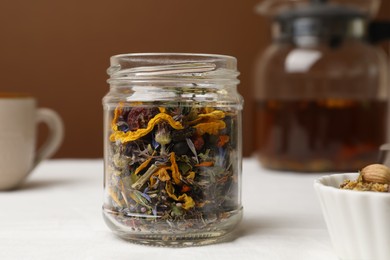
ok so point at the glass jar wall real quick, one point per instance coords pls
(172, 148)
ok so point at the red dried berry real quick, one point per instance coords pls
(198, 142)
(139, 117)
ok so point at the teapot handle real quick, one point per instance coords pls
(384, 155)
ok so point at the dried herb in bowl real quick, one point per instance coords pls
(374, 177)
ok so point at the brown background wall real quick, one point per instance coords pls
(59, 51)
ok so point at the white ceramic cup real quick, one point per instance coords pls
(19, 118)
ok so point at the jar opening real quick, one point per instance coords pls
(140, 67)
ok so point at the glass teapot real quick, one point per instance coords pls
(321, 87)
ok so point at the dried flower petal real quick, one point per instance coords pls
(205, 164)
(214, 115)
(185, 188)
(175, 169)
(211, 128)
(162, 174)
(191, 175)
(188, 201)
(134, 135)
(114, 197)
(222, 140)
(143, 165)
(117, 113)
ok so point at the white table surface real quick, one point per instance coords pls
(57, 215)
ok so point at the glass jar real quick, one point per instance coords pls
(321, 91)
(172, 148)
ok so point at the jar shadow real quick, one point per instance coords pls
(43, 184)
(257, 226)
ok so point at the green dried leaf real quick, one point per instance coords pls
(184, 167)
(204, 156)
(138, 198)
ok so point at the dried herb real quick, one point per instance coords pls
(172, 168)
(374, 177)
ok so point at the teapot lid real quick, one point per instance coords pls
(320, 19)
(275, 8)
(321, 9)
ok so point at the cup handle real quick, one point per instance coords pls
(56, 133)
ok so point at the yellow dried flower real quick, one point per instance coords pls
(211, 128)
(188, 201)
(134, 135)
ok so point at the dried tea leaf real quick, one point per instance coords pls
(192, 148)
(139, 197)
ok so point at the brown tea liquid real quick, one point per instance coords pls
(321, 135)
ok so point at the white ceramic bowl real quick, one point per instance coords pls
(358, 221)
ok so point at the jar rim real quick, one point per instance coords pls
(172, 67)
(173, 54)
